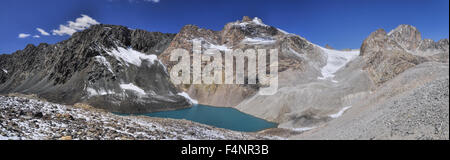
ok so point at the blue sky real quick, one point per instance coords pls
(339, 23)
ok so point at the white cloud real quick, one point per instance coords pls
(71, 27)
(43, 32)
(36, 36)
(23, 35)
(64, 30)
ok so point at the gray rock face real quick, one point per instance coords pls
(108, 66)
(385, 58)
(443, 44)
(434, 51)
(387, 55)
(407, 36)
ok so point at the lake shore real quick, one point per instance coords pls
(28, 118)
(221, 117)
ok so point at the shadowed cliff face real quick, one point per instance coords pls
(108, 66)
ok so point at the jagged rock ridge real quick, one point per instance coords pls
(387, 55)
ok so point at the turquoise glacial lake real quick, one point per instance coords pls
(221, 117)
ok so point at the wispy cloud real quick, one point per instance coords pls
(42, 31)
(36, 36)
(23, 35)
(71, 27)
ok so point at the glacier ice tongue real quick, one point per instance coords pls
(335, 61)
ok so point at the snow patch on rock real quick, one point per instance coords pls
(131, 56)
(102, 60)
(218, 47)
(338, 114)
(258, 21)
(258, 40)
(283, 31)
(132, 87)
(255, 20)
(99, 92)
(185, 95)
(302, 129)
(209, 45)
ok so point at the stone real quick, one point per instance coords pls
(66, 138)
(38, 115)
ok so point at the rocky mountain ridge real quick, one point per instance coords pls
(107, 66)
(387, 55)
(295, 54)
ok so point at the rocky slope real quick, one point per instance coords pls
(413, 105)
(107, 66)
(25, 118)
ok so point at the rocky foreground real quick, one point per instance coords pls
(28, 118)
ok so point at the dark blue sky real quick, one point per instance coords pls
(340, 23)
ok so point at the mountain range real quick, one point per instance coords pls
(395, 85)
